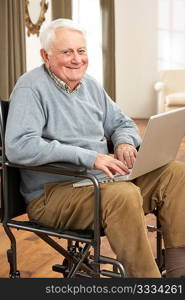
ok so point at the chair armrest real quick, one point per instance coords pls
(76, 171)
(69, 169)
(61, 168)
(159, 85)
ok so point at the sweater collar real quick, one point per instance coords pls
(62, 84)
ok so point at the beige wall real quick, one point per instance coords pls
(136, 56)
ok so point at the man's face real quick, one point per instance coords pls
(67, 57)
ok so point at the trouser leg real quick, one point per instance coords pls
(122, 219)
(165, 188)
(125, 228)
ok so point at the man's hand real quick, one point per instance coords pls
(126, 153)
(110, 165)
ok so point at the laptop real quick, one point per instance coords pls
(161, 141)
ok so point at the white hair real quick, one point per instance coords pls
(47, 32)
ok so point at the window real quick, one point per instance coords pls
(171, 34)
(88, 14)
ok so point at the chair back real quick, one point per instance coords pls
(174, 80)
(12, 202)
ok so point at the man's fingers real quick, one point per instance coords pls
(129, 158)
(119, 156)
(121, 169)
(110, 165)
(107, 172)
(126, 154)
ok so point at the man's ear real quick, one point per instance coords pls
(44, 56)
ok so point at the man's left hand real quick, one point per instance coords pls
(126, 153)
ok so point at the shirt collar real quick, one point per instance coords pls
(62, 84)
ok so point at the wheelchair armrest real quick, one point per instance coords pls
(69, 169)
(61, 168)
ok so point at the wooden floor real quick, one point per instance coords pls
(35, 258)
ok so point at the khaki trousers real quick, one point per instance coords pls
(123, 205)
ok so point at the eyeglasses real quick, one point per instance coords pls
(70, 52)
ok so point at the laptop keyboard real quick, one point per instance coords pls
(101, 179)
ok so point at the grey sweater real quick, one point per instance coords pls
(45, 124)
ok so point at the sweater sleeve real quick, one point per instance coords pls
(119, 127)
(24, 139)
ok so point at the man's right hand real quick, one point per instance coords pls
(110, 165)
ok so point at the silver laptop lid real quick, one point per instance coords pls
(161, 141)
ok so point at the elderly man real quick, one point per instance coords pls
(59, 113)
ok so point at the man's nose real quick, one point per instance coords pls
(76, 57)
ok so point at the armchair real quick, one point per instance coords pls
(170, 90)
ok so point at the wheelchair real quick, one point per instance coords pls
(81, 257)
